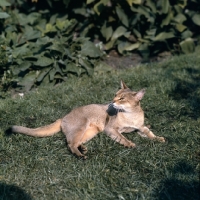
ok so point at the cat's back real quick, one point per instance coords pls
(89, 111)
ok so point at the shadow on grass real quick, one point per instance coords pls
(175, 188)
(12, 192)
(188, 90)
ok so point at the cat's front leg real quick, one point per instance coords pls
(118, 137)
(145, 131)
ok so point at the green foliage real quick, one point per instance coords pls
(43, 51)
(46, 41)
(147, 26)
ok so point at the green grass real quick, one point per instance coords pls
(44, 168)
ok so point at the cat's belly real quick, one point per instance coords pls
(127, 129)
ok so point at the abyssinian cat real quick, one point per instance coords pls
(123, 115)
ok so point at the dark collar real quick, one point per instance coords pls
(113, 111)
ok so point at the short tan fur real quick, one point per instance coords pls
(123, 115)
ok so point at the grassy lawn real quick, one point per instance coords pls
(44, 168)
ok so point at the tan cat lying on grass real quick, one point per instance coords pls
(124, 114)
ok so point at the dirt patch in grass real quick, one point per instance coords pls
(120, 62)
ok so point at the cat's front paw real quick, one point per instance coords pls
(130, 145)
(160, 139)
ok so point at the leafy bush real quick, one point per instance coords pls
(44, 51)
(147, 26)
(45, 41)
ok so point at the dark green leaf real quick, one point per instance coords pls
(87, 66)
(131, 47)
(46, 82)
(118, 32)
(71, 67)
(15, 70)
(4, 15)
(43, 40)
(53, 18)
(180, 18)
(25, 65)
(166, 21)
(163, 6)
(186, 34)
(180, 27)
(130, 2)
(43, 61)
(110, 44)
(57, 47)
(4, 3)
(142, 10)
(122, 16)
(12, 36)
(42, 74)
(144, 50)
(196, 19)
(62, 24)
(89, 1)
(90, 50)
(33, 17)
(22, 19)
(106, 31)
(21, 51)
(150, 34)
(32, 34)
(151, 4)
(187, 46)
(121, 47)
(81, 11)
(163, 36)
(137, 33)
(50, 28)
(127, 46)
(98, 7)
(52, 74)
(182, 3)
(28, 80)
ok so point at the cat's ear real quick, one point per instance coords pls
(139, 95)
(123, 85)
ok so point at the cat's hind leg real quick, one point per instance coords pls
(75, 150)
(79, 136)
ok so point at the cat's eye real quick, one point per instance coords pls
(121, 98)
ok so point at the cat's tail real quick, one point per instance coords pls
(43, 131)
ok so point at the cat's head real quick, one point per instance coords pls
(126, 99)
